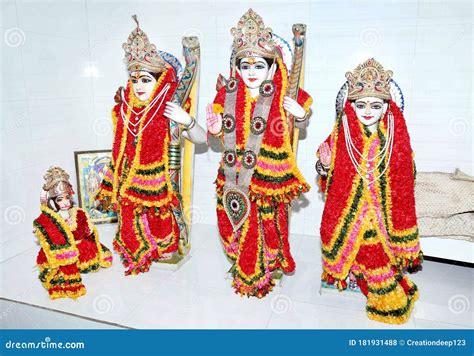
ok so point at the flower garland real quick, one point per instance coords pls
(95, 255)
(148, 182)
(66, 251)
(261, 245)
(277, 175)
(138, 183)
(140, 259)
(56, 238)
(357, 226)
(252, 279)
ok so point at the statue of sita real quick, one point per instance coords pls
(369, 229)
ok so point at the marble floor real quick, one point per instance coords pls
(199, 295)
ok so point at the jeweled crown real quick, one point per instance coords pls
(369, 79)
(140, 54)
(56, 182)
(252, 38)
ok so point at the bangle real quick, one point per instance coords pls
(218, 134)
(321, 169)
(306, 116)
(191, 124)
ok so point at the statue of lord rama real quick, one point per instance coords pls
(254, 113)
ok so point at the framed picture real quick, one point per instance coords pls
(90, 169)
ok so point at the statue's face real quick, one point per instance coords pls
(63, 201)
(143, 84)
(254, 70)
(369, 110)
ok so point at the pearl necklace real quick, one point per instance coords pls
(161, 95)
(387, 149)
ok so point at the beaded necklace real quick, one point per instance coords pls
(126, 120)
(364, 171)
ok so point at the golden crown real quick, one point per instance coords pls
(252, 38)
(140, 54)
(369, 79)
(56, 182)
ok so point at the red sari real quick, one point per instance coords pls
(371, 230)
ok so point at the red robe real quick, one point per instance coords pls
(138, 183)
(261, 245)
(67, 251)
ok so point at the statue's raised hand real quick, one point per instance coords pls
(213, 121)
(325, 154)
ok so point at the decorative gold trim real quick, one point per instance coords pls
(369, 79)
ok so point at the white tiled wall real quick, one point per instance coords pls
(62, 62)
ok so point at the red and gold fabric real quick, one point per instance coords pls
(67, 251)
(261, 245)
(137, 183)
(371, 229)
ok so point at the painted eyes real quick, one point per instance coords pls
(61, 198)
(257, 66)
(143, 80)
(375, 106)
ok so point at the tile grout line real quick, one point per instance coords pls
(66, 313)
(16, 255)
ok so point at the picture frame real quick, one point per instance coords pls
(90, 169)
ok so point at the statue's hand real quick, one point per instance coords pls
(220, 82)
(118, 95)
(293, 107)
(177, 114)
(213, 121)
(325, 154)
